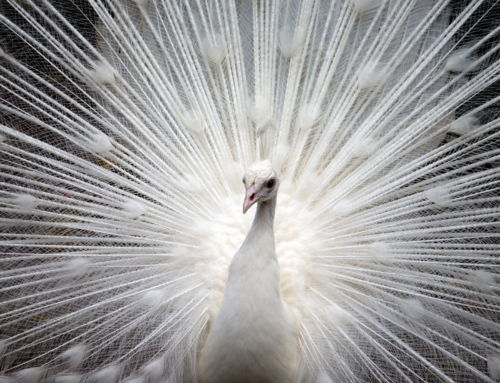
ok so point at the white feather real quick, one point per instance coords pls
(100, 143)
(459, 61)
(323, 378)
(337, 315)
(257, 108)
(464, 124)
(74, 356)
(152, 298)
(380, 251)
(193, 123)
(154, 370)
(78, 267)
(68, 378)
(280, 155)
(26, 201)
(190, 183)
(214, 48)
(413, 308)
(309, 115)
(438, 195)
(29, 375)
(494, 367)
(365, 5)
(365, 149)
(288, 42)
(102, 73)
(108, 374)
(133, 209)
(481, 279)
(371, 76)
(343, 207)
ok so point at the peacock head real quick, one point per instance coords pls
(261, 183)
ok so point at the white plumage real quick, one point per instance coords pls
(254, 335)
(125, 130)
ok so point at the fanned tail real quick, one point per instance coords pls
(125, 129)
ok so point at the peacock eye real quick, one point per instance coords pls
(270, 183)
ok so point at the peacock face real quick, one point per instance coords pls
(261, 183)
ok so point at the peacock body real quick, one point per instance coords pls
(253, 337)
(126, 127)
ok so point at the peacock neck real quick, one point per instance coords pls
(265, 213)
(254, 270)
(259, 243)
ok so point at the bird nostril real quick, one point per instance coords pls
(252, 196)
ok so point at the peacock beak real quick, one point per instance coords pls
(250, 198)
